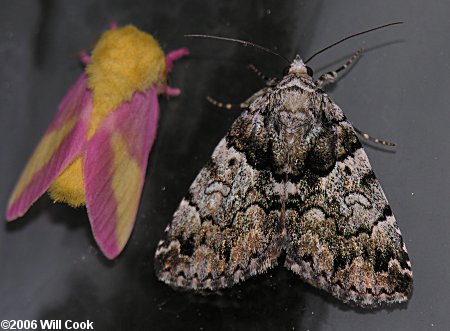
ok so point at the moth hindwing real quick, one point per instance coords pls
(290, 175)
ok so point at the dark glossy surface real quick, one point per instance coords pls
(50, 267)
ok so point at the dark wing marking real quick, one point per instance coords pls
(342, 236)
(227, 228)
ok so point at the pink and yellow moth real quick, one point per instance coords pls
(95, 151)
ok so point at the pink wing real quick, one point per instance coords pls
(62, 142)
(114, 169)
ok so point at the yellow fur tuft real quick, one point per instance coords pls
(124, 61)
(68, 187)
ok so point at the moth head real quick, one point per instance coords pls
(299, 68)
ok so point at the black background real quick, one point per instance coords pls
(50, 266)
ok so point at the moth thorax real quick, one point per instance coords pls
(296, 102)
(124, 61)
(298, 67)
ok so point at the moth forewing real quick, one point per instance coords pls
(290, 175)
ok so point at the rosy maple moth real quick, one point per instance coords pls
(95, 151)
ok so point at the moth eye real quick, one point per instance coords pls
(309, 71)
(286, 70)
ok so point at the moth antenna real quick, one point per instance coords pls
(351, 36)
(242, 42)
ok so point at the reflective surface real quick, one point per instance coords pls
(50, 266)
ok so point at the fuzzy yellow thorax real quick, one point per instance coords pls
(124, 61)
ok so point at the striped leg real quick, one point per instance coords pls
(242, 105)
(372, 139)
(270, 81)
(331, 76)
(227, 106)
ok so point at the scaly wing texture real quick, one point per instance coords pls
(342, 236)
(227, 228)
(290, 175)
(114, 170)
(62, 142)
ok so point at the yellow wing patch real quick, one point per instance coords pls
(42, 155)
(126, 185)
(124, 61)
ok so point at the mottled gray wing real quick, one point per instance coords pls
(342, 236)
(227, 228)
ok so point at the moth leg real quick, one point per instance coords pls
(227, 106)
(270, 81)
(331, 76)
(372, 139)
(172, 56)
(242, 105)
(85, 58)
(255, 96)
(172, 92)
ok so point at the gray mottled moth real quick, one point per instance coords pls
(292, 176)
